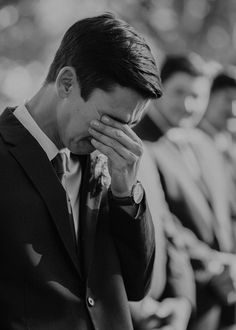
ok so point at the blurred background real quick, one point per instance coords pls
(30, 31)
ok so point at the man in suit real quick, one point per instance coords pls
(194, 185)
(177, 297)
(74, 251)
(219, 111)
(171, 298)
(220, 107)
(215, 123)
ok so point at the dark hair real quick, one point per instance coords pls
(105, 51)
(222, 80)
(177, 64)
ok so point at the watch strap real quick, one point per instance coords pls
(133, 199)
(123, 201)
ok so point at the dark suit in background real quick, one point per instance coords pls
(172, 284)
(192, 202)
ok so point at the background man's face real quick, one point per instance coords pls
(220, 107)
(178, 98)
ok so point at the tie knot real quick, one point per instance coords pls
(58, 164)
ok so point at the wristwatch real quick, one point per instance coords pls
(135, 198)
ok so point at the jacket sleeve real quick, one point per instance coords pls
(180, 275)
(135, 242)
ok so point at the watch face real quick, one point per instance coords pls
(137, 193)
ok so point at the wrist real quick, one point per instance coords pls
(117, 195)
(134, 197)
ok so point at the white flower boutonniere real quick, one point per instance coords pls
(100, 176)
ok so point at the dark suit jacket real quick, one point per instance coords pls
(45, 281)
(179, 277)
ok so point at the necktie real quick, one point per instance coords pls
(58, 163)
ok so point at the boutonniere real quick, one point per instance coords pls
(100, 176)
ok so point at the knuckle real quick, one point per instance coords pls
(118, 133)
(109, 151)
(109, 142)
(123, 167)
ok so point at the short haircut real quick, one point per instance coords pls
(105, 51)
(224, 79)
(177, 64)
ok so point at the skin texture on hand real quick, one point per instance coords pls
(145, 314)
(122, 147)
(176, 312)
(169, 314)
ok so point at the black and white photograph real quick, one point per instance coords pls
(118, 164)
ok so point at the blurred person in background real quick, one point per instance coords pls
(77, 236)
(218, 113)
(171, 298)
(195, 189)
(219, 109)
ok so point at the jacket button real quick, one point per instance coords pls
(91, 302)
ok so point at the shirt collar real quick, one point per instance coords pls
(23, 115)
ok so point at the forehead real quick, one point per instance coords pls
(121, 103)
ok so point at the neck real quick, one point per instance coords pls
(42, 108)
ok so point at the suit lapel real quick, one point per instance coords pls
(31, 157)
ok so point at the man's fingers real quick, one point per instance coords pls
(112, 154)
(115, 138)
(166, 327)
(124, 127)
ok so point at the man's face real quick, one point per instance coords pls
(74, 114)
(178, 98)
(220, 107)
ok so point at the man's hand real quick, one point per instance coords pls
(122, 147)
(228, 259)
(169, 314)
(176, 313)
(145, 314)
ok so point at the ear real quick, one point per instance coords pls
(66, 81)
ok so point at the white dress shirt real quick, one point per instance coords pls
(72, 169)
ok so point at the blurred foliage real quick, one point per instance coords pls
(31, 29)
